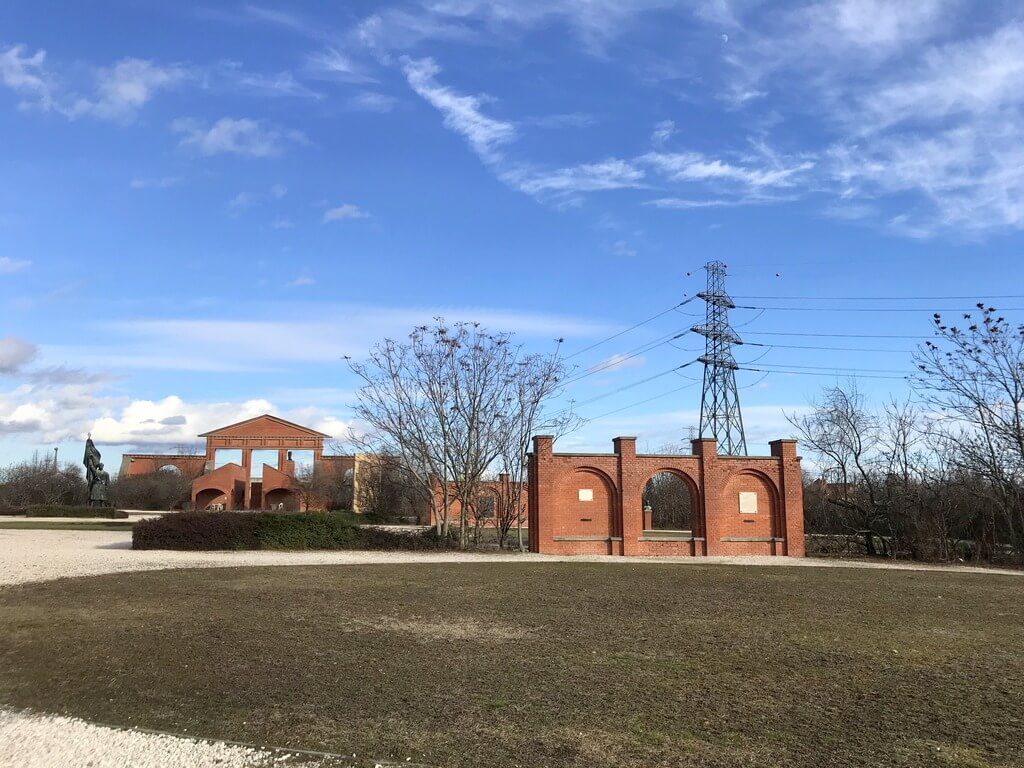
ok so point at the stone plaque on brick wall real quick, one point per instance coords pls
(748, 503)
(586, 494)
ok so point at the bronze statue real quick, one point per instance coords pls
(95, 476)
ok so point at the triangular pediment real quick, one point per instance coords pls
(264, 426)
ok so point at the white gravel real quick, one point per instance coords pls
(46, 741)
(34, 741)
(40, 555)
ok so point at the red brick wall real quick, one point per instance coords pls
(613, 522)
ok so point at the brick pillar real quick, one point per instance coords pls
(247, 483)
(630, 514)
(791, 497)
(282, 459)
(542, 491)
(710, 489)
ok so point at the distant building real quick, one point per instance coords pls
(277, 481)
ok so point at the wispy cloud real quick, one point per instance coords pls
(332, 64)
(462, 113)
(369, 101)
(240, 201)
(118, 93)
(162, 182)
(9, 265)
(233, 76)
(663, 131)
(282, 223)
(238, 136)
(343, 212)
(586, 177)
(301, 281)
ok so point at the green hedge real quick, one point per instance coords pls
(198, 531)
(58, 510)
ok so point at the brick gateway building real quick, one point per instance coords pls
(234, 485)
(592, 504)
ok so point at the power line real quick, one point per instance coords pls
(838, 368)
(837, 335)
(631, 328)
(873, 309)
(881, 298)
(824, 373)
(615, 360)
(623, 388)
(828, 349)
(642, 402)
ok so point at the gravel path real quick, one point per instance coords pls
(45, 741)
(40, 555)
(34, 741)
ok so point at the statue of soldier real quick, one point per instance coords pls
(93, 467)
(98, 489)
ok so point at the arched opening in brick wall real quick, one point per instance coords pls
(170, 469)
(281, 498)
(212, 498)
(750, 508)
(586, 505)
(669, 502)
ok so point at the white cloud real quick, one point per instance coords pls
(14, 353)
(119, 91)
(301, 281)
(159, 183)
(9, 265)
(368, 101)
(125, 87)
(331, 64)
(231, 75)
(695, 167)
(240, 201)
(26, 75)
(684, 204)
(462, 113)
(278, 191)
(587, 177)
(282, 223)
(976, 77)
(617, 362)
(663, 131)
(242, 136)
(595, 22)
(346, 211)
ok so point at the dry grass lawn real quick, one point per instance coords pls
(562, 664)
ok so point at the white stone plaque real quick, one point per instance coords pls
(586, 494)
(748, 503)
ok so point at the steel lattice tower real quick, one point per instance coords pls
(720, 415)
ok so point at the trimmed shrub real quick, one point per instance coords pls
(196, 531)
(58, 510)
(273, 530)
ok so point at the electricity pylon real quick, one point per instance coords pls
(720, 415)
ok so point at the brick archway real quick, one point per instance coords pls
(208, 496)
(739, 504)
(586, 510)
(695, 507)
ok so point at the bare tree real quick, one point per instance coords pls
(448, 404)
(39, 481)
(845, 435)
(973, 378)
(321, 486)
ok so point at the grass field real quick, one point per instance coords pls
(64, 525)
(583, 665)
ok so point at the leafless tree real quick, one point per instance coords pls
(448, 404)
(322, 486)
(39, 481)
(973, 379)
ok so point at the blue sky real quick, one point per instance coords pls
(205, 206)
